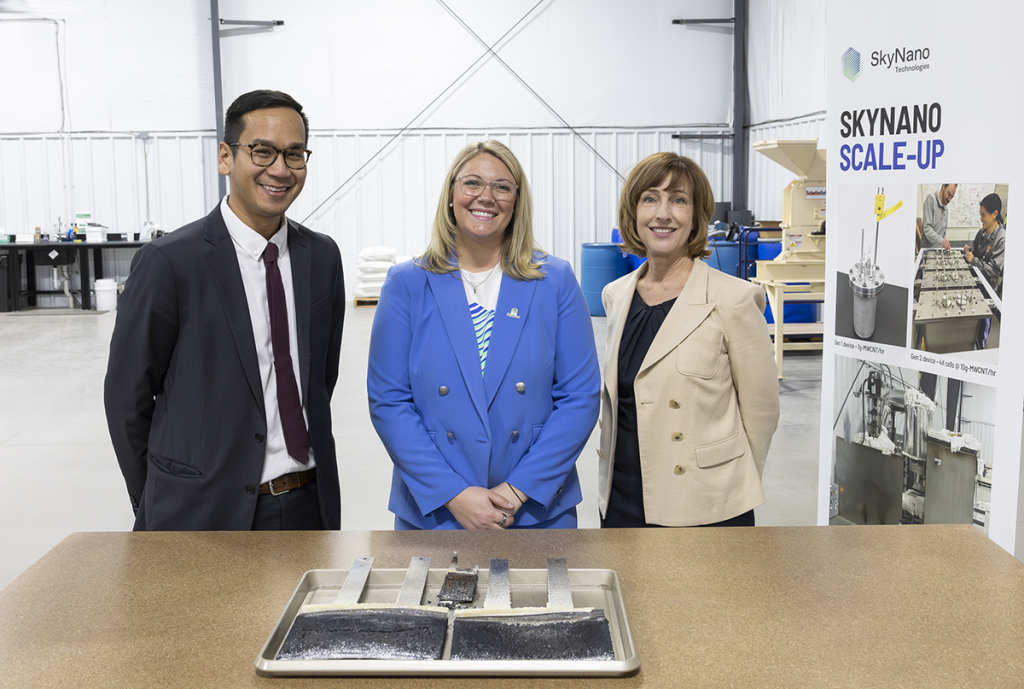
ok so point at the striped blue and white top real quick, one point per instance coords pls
(483, 304)
(483, 321)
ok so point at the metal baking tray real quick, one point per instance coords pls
(597, 588)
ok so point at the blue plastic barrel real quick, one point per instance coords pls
(600, 264)
(795, 313)
(724, 256)
(634, 261)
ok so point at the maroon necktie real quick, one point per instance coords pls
(296, 438)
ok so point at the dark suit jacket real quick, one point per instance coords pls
(182, 394)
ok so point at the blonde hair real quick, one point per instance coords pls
(649, 173)
(517, 247)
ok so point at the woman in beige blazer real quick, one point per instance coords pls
(690, 398)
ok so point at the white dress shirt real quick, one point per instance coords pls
(249, 246)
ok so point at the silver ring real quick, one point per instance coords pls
(504, 520)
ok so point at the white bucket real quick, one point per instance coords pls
(106, 295)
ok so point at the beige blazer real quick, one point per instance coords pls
(707, 398)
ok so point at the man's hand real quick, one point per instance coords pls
(479, 508)
(946, 245)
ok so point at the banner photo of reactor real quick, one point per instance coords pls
(910, 447)
(958, 270)
(876, 225)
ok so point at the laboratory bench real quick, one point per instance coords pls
(867, 606)
(89, 256)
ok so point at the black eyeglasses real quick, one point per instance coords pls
(264, 155)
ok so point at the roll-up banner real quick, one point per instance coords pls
(923, 373)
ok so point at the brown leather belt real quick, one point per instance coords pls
(283, 484)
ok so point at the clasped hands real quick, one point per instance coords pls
(968, 255)
(477, 507)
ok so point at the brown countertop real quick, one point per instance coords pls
(868, 606)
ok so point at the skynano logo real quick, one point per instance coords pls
(851, 64)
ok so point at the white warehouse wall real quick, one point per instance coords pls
(597, 63)
(786, 74)
(620, 73)
(391, 201)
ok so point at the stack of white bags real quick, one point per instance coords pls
(374, 262)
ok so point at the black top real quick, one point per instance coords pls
(626, 501)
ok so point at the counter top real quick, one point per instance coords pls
(866, 606)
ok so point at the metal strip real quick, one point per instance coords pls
(499, 588)
(702, 137)
(218, 88)
(244, 22)
(415, 581)
(355, 581)
(559, 594)
(729, 20)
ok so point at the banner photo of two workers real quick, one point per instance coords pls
(922, 395)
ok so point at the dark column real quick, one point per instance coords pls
(30, 277)
(929, 381)
(953, 398)
(739, 95)
(84, 276)
(7, 273)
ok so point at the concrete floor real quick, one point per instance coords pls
(61, 476)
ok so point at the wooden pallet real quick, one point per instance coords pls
(804, 330)
(365, 302)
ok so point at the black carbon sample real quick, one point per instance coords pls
(567, 635)
(458, 587)
(397, 634)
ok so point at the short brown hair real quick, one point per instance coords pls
(650, 173)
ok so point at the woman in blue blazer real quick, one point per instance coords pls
(483, 377)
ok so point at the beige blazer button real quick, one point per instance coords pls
(520, 387)
(600, 454)
(451, 436)
(599, 424)
(673, 404)
(680, 470)
(677, 436)
(443, 390)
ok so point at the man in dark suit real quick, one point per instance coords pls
(225, 351)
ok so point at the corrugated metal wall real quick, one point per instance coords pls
(391, 201)
(105, 175)
(46, 179)
(766, 178)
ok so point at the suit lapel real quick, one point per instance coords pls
(689, 311)
(617, 318)
(514, 300)
(224, 265)
(450, 298)
(298, 247)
